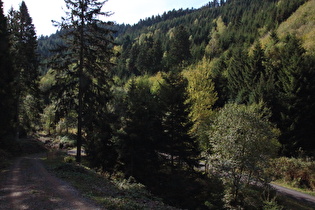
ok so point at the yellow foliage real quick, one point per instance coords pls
(213, 45)
(152, 81)
(201, 91)
(301, 23)
(221, 27)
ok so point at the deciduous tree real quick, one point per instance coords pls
(243, 140)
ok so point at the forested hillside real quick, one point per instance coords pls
(252, 50)
(193, 103)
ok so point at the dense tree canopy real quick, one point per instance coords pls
(24, 56)
(155, 101)
(7, 100)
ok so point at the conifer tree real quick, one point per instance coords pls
(296, 99)
(83, 65)
(7, 98)
(237, 76)
(179, 47)
(175, 121)
(140, 141)
(24, 45)
(256, 76)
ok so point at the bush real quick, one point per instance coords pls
(296, 171)
(189, 190)
(68, 141)
(69, 159)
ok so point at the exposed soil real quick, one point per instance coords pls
(28, 185)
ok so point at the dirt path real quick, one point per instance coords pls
(28, 185)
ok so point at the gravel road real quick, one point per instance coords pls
(28, 185)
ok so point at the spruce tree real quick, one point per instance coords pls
(83, 66)
(7, 98)
(179, 145)
(140, 140)
(237, 76)
(24, 46)
(179, 51)
(296, 102)
(256, 77)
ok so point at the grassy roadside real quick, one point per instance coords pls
(289, 203)
(110, 193)
(289, 186)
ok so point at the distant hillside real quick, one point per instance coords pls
(244, 22)
(302, 24)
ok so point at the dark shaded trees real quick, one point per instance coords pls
(24, 56)
(7, 98)
(179, 146)
(140, 136)
(296, 98)
(238, 66)
(83, 66)
(179, 51)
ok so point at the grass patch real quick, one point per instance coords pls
(290, 186)
(109, 193)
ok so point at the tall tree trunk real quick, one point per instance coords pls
(80, 95)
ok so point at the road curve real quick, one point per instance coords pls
(295, 194)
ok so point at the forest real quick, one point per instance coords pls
(194, 103)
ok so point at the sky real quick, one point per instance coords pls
(124, 11)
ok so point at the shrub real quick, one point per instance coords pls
(296, 171)
(69, 159)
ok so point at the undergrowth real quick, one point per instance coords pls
(295, 172)
(109, 192)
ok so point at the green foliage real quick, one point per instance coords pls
(243, 141)
(83, 80)
(179, 50)
(213, 48)
(150, 56)
(189, 190)
(48, 118)
(202, 97)
(140, 137)
(297, 172)
(69, 159)
(24, 57)
(248, 77)
(272, 205)
(301, 23)
(7, 97)
(295, 88)
(178, 144)
(149, 127)
(108, 193)
(68, 141)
